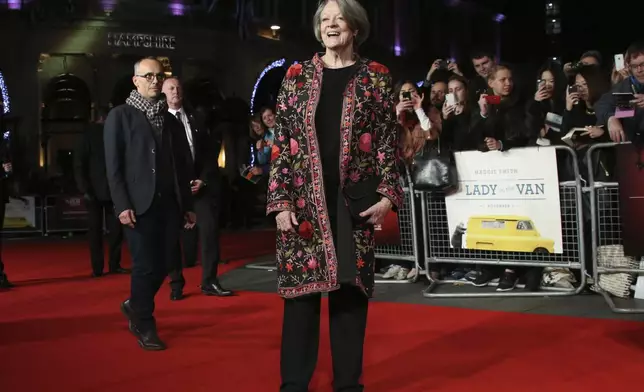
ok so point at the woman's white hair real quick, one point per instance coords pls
(354, 14)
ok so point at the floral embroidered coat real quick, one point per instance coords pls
(307, 260)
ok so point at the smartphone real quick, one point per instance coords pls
(406, 95)
(450, 99)
(540, 84)
(623, 100)
(619, 62)
(573, 89)
(493, 99)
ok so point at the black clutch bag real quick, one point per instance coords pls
(360, 196)
(435, 171)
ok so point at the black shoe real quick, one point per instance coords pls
(119, 270)
(176, 295)
(215, 289)
(507, 282)
(148, 340)
(97, 274)
(129, 315)
(4, 282)
(483, 278)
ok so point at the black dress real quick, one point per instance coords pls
(328, 122)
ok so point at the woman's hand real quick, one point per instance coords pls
(571, 99)
(544, 131)
(260, 144)
(492, 144)
(417, 100)
(594, 132)
(404, 106)
(378, 211)
(285, 221)
(448, 110)
(541, 94)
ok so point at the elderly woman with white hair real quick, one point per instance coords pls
(333, 177)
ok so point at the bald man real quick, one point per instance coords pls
(150, 188)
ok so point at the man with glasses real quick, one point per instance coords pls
(626, 122)
(150, 188)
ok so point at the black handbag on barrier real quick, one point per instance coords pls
(434, 170)
(360, 196)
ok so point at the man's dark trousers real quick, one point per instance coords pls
(151, 242)
(98, 210)
(207, 234)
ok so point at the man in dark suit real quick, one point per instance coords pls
(91, 180)
(206, 188)
(150, 188)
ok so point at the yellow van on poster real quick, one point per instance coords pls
(507, 233)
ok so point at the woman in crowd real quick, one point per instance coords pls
(501, 125)
(591, 83)
(415, 128)
(335, 136)
(456, 134)
(549, 98)
(266, 140)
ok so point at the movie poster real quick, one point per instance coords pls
(507, 201)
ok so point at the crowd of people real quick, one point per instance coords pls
(488, 112)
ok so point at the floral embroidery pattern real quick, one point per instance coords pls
(306, 260)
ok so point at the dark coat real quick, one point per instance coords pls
(130, 161)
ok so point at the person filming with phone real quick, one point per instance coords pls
(622, 111)
(457, 117)
(501, 122)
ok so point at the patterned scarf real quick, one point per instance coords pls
(154, 111)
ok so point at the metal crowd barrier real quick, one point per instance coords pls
(408, 250)
(65, 214)
(438, 250)
(606, 228)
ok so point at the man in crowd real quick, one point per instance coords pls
(150, 188)
(91, 180)
(625, 122)
(206, 188)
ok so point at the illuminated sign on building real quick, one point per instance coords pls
(146, 41)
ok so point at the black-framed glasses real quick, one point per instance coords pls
(150, 76)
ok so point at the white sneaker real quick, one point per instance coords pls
(391, 272)
(412, 274)
(402, 274)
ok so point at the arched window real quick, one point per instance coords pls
(253, 104)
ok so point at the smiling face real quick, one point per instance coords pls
(268, 117)
(335, 31)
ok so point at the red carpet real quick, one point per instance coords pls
(61, 331)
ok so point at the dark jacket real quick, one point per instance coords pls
(505, 122)
(606, 107)
(130, 161)
(204, 165)
(89, 165)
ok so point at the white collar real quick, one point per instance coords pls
(175, 111)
